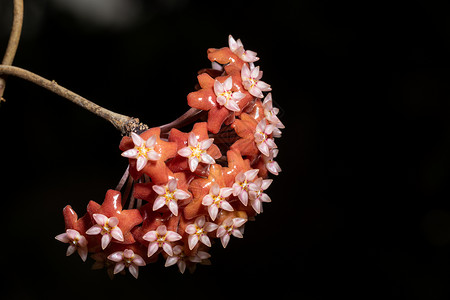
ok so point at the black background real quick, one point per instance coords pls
(361, 208)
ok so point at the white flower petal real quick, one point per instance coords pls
(207, 159)
(117, 234)
(137, 140)
(218, 88)
(185, 152)
(192, 241)
(119, 267)
(171, 260)
(159, 189)
(159, 202)
(141, 163)
(172, 185)
(134, 270)
(167, 248)
(132, 153)
(193, 163)
(94, 230)
(205, 144)
(63, 237)
(226, 206)
(228, 83)
(231, 105)
(116, 256)
(106, 239)
(152, 248)
(213, 210)
(150, 236)
(100, 219)
(205, 240)
(71, 249)
(151, 141)
(181, 195)
(172, 236)
(207, 200)
(173, 207)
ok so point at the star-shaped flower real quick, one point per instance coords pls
(76, 242)
(143, 151)
(129, 259)
(197, 147)
(107, 227)
(147, 161)
(198, 231)
(111, 221)
(271, 165)
(225, 96)
(200, 187)
(263, 138)
(169, 195)
(196, 152)
(161, 238)
(216, 199)
(238, 48)
(270, 113)
(75, 233)
(251, 80)
(182, 259)
(206, 99)
(230, 226)
(241, 184)
(257, 195)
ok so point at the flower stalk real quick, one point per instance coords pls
(13, 42)
(124, 124)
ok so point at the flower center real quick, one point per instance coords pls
(196, 152)
(217, 200)
(244, 185)
(142, 151)
(161, 239)
(200, 231)
(169, 196)
(226, 94)
(106, 229)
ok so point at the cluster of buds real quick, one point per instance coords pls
(183, 190)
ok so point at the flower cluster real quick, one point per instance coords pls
(186, 189)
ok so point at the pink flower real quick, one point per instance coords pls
(180, 258)
(252, 83)
(199, 231)
(231, 226)
(257, 195)
(196, 151)
(240, 186)
(143, 151)
(271, 165)
(129, 259)
(107, 227)
(76, 242)
(237, 48)
(270, 113)
(225, 96)
(262, 137)
(216, 199)
(169, 195)
(160, 239)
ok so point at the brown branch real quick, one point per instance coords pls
(123, 123)
(13, 41)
